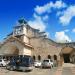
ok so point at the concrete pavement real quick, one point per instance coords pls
(66, 69)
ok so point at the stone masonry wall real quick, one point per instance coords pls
(44, 47)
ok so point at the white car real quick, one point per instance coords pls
(47, 63)
(37, 64)
(3, 62)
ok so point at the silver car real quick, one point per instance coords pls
(47, 63)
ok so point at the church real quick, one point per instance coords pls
(25, 40)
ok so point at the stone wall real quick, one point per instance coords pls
(44, 47)
(14, 47)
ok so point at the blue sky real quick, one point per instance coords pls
(55, 17)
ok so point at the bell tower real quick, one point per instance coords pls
(20, 30)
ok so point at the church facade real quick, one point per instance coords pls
(25, 40)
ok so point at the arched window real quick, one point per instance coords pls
(49, 57)
(55, 57)
(4, 57)
(39, 57)
(34, 58)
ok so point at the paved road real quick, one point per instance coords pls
(37, 71)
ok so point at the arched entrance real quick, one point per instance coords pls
(66, 58)
(14, 46)
(65, 54)
(9, 50)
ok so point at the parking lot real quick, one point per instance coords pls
(35, 71)
(66, 69)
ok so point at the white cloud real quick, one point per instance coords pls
(66, 30)
(47, 34)
(37, 23)
(59, 4)
(43, 9)
(67, 16)
(59, 13)
(47, 7)
(73, 30)
(62, 37)
(45, 17)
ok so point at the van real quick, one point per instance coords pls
(23, 63)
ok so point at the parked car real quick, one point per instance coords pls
(3, 62)
(37, 64)
(22, 63)
(47, 63)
